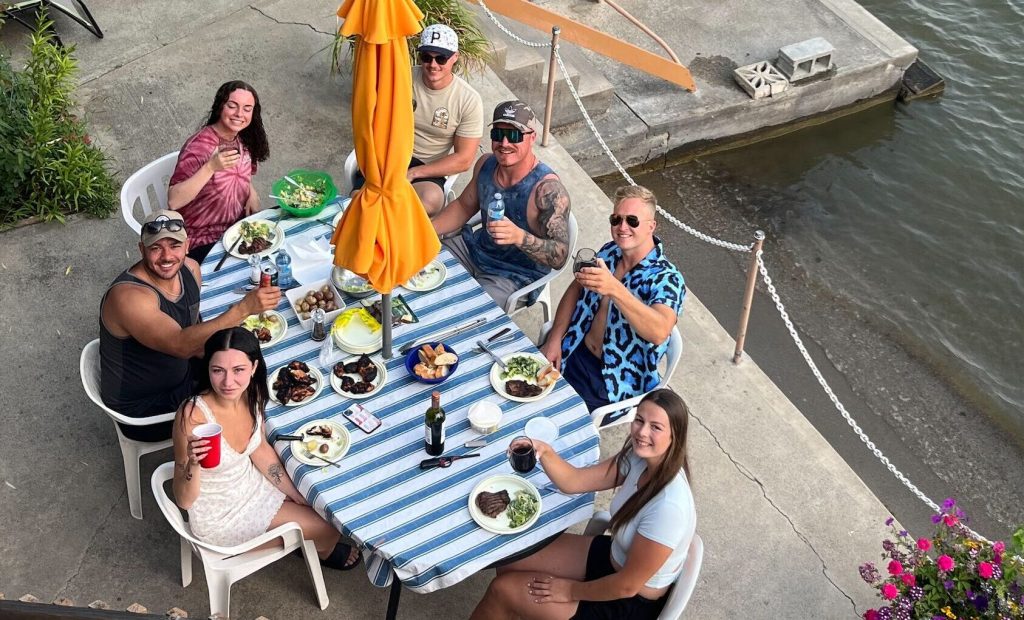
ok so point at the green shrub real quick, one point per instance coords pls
(48, 166)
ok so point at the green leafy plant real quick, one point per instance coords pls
(474, 48)
(48, 162)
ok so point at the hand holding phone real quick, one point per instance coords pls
(362, 418)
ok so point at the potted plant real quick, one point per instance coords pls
(950, 576)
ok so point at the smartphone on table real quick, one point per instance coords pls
(362, 418)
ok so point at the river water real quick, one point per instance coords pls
(916, 213)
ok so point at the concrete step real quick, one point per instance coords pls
(525, 71)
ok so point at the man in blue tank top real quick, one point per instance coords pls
(532, 236)
(150, 327)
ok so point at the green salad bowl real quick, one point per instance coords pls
(293, 200)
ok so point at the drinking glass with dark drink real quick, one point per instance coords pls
(521, 454)
(585, 257)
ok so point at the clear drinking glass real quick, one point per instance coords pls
(585, 257)
(521, 454)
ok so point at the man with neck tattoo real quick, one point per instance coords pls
(532, 236)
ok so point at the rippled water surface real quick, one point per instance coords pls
(917, 212)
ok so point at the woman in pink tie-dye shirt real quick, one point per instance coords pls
(212, 181)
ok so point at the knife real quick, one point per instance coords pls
(497, 360)
(317, 456)
(288, 438)
(220, 263)
(444, 461)
(439, 336)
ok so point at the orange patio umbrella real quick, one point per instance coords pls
(385, 235)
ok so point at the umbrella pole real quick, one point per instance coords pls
(385, 314)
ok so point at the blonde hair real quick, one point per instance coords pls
(638, 191)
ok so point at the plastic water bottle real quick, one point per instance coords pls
(496, 209)
(284, 270)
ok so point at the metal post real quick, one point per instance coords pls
(385, 317)
(748, 296)
(552, 64)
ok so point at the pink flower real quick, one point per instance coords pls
(985, 570)
(889, 591)
(950, 520)
(924, 544)
(908, 580)
(945, 563)
(998, 547)
(895, 568)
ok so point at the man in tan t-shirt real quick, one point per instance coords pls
(448, 115)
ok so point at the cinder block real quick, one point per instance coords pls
(761, 79)
(800, 61)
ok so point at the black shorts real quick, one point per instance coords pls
(438, 181)
(599, 564)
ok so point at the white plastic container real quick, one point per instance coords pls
(485, 417)
(295, 295)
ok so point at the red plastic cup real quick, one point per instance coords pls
(212, 433)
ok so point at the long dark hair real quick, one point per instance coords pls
(239, 339)
(253, 137)
(675, 457)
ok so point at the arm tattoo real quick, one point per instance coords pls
(274, 471)
(186, 470)
(553, 216)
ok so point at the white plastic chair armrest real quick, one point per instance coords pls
(598, 415)
(153, 419)
(598, 523)
(514, 298)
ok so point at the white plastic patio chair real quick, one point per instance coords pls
(628, 407)
(155, 174)
(680, 592)
(517, 301)
(352, 167)
(131, 450)
(226, 565)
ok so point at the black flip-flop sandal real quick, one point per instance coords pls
(338, 559)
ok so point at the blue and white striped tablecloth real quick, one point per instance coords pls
(412, 522)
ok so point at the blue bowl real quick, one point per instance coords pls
(412, 358)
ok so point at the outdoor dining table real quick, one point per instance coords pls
(411, 523)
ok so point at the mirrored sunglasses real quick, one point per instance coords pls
(154, 227)
(631, 220)
(426, 58)
(513, 135)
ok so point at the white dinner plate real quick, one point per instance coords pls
(277, 332)
(428, 278)
(356, 337)
(318, 386)
(231, 234)
(494, 484)
(382, 376)
(499, 384)
(337, 445)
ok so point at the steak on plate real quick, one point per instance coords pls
(493, 504)
(522, 389)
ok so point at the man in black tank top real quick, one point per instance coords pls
(150, 327)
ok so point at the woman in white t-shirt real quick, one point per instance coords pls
(626, 574)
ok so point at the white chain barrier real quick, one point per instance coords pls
(761, 268)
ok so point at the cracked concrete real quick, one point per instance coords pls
(784, 520)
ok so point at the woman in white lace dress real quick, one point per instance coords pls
(249, 492)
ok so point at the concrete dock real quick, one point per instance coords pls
(785, 521)
(645, 119)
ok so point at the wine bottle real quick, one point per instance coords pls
(435, 426)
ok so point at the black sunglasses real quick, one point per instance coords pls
(615, 219)
(155, 227)
(441, 59)
(512, 134)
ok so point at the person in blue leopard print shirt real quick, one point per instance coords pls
(614, 321)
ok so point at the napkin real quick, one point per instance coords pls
(312, 258)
